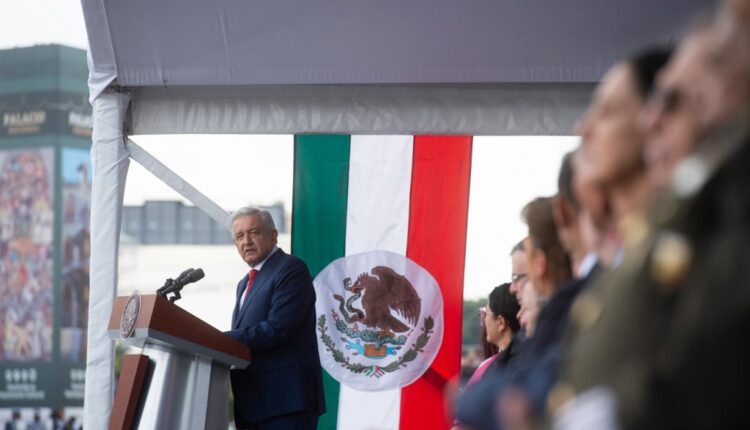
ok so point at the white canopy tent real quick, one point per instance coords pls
(484, 67)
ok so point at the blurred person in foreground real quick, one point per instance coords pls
(666, 347)
(611, 158)
(591, 200)
(612, 141)
(615, 112)
(670, 119)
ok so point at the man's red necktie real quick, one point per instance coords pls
(250, 280)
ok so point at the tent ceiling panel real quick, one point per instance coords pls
(251, 42)
(508, 109)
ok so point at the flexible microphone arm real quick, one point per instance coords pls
(169, 283)
(174, 286)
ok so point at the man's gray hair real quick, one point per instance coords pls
(266, 220)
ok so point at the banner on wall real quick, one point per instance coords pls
(44, 285)
(26, 275)
(74, 285)
(34, 114)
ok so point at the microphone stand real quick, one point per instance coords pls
(174, 286)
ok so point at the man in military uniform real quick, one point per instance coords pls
(661, 342)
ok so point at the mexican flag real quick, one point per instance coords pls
(407, 195)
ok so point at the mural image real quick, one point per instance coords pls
(26, 254)
(76, 196)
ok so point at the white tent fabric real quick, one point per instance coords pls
(219, 42)
(111, 155)
(109, 160)
(279, 67)
(334, 66)
(508, 109)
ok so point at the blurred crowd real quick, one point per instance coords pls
(56, 421)
(629, 301)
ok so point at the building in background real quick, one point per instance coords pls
(173, 223)
(45, 191)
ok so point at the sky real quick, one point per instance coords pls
(33, 22)
(232, 170)
(507, 172)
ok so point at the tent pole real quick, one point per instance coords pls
(181, 186)
(110, 163)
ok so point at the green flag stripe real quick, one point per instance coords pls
(321, 185)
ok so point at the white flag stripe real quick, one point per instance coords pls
(377, 219)
(377, 216)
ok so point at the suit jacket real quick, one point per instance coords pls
(699, 377)
(669, 340)
(277, 323)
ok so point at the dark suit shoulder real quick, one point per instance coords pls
(282, 260)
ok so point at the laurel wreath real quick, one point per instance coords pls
(374, 370)
(369, 335)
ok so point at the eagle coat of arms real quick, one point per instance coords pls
(378, 331)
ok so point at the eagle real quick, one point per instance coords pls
(385, 291)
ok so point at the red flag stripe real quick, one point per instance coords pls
(438, 216)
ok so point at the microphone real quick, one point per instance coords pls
(169, 283)
(175, 286)
(193, 276)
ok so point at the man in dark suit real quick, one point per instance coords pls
(274, 315)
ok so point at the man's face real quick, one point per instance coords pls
(591, 195)
(670, 118)
(590, 233)
(535, 262)
(612, 142)
(518, 274)
(252, 240)
(726, 91)
(529, 312)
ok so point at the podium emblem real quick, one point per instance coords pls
(379, 320)
(130, 315)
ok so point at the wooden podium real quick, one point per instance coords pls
(181, 378)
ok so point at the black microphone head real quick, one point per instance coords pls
(196, 275)
(184, 274)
